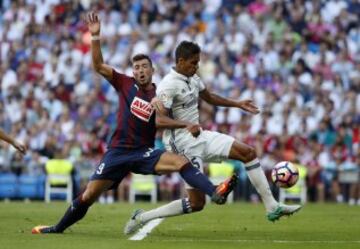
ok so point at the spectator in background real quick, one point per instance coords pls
(252, 47)
(354, 197)
(169, 186)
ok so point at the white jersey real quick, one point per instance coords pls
(180, 94)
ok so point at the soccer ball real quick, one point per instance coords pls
(285, 174)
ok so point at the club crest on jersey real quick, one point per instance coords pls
(141, 109)
(163, 97)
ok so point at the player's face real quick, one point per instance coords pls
(189, 66)
(143, 71)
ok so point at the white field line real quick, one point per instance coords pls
(145, 230)
(268, 241)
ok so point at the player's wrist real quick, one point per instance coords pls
(95, 37)
(240, 104)
(188, 125)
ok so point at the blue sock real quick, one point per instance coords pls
(74, 213)
(196, 179)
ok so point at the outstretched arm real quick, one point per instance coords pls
(17, 145)
(214, 99)
(93, 23)
(163, 121)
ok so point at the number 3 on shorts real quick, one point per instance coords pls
(147, 153)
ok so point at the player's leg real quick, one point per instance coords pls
(247, 154)
(108, 174)
(170, 162)
(78, 207)
(197, 199)
(220, 146)
(165, 163)
(194, 203)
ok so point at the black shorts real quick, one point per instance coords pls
(118, 162)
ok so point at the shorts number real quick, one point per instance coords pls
(196, 162)
(100, 169)
(147, 153)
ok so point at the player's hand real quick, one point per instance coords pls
(20, 147)
(158, 105)
(194, 129)
(249, 106)
(93, 22)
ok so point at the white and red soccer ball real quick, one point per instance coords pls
(285, 174)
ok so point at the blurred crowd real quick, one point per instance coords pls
(298, 60)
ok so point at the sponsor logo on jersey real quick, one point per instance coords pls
(141, 109)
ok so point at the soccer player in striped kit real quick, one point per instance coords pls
(131, 146)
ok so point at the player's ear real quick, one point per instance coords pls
(180, 63)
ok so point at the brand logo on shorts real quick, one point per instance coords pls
(141, 109)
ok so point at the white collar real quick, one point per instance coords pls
(179, 75)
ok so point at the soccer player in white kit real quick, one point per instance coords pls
(178, 95)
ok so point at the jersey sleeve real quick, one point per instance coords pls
(166, 92)
(199, 83)
(120, 81)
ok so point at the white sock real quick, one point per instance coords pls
(174, 208)
(109, 199)
(351, 201)
(259, 181)
(102, 200)
(339, 198)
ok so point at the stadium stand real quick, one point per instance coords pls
(299, 61)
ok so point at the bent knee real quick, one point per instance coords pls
(245, 154)
(250, 154)
(197, 205)
(180, 162)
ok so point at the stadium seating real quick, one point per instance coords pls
(143, 185)
(28, 187)
(349, 173)
(8, 186)
(58, 179)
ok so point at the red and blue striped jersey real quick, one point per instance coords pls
(135, 117)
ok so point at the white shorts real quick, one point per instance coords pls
(209, 146)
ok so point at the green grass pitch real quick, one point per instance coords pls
(240, 225)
